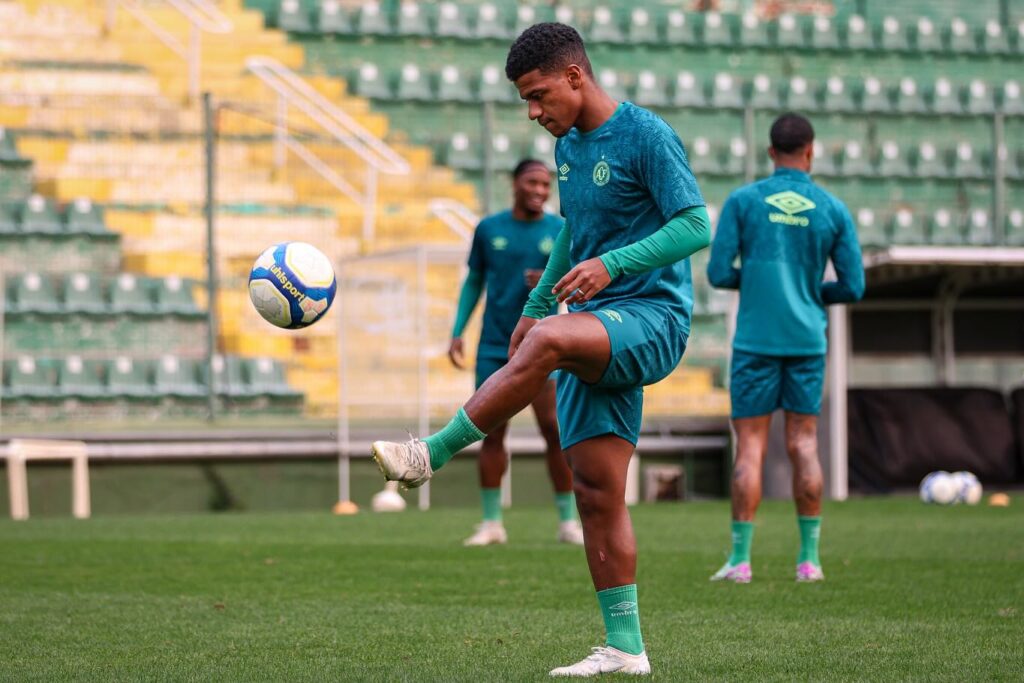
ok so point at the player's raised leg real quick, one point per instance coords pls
(569, 529)
(751, 444)
(808, 483)
(492, 463)
(599, 471)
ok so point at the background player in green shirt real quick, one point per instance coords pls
(509, 252)
(634, 215)
(784, 229)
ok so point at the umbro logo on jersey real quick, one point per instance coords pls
(563, 172)
(789, 203)
(622, 609)
(499, 243)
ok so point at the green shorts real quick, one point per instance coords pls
(760, 384)
(647, 343)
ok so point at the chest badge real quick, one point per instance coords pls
(602, 174)
(546, 245)
(499, 243)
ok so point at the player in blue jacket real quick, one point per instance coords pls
(783, 229)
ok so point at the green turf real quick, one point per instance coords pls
(913, 593)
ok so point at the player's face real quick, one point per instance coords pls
(554, 99)
(532, 189)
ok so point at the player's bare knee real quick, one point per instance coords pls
(544, 346)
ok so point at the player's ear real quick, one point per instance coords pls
(574, 74)
(771, 153)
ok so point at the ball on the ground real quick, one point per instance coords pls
(292, 285)
(968, 488)
(939, 487)
(388, 500)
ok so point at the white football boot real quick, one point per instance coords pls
(570, 532)
(737, 573)
(607, 660)
(488, 532)
(407, 463)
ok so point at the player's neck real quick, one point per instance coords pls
(521, 213)
(794, 166)
(598, 108)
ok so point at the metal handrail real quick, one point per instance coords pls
(456, 215)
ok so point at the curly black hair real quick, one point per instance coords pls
(791, 132)
(548, 47)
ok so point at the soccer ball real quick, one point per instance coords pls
(388, 499)
(939, 487)
(292, 285)
(968, 488)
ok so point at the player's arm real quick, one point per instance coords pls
(469, 295)
(688, 232)
(542, 297)
(722, 272)
(846, 259)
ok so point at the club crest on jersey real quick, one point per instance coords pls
(790, 203)
(602, 174)
(499, 243)
(546, 245)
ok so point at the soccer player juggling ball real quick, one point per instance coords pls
(633, 215)
(784, 229)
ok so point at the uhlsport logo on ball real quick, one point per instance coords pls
(292, 285)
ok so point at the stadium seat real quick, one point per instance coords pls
(453, 86)
(718, 30)
(856, 34)
(688, 91)
(462, 154)
(824, 34)
(725, 92)
(130, 378)
(604, 27)
(641, 28)
(34, 293)
(1015, 227)
(293, 17)
(369, 82)
(494, 87)
(980, 231)
(993, 40)
(413, 85)
(528, 15)
(564, 14)
(174, 297)
(412, 19)
(907, 227)
(800, 96)
(681, 28)
(925, 36)
(754, 32)
(333, 20)
(791, 33)
(964, 162)
(837, 96)
(892, 162)
(542, 148)
(855, 161)
(959, 37)
(700, 157)
(908, 97)
(265, 376)
(504, 155)
(943, 228)
(83, 293)
(763, 93)
(892, 37)
(131, 295)
(81, 379)
(228, 379)
(9, 223)
(764, 166)
(177, 377)
(870, 228)
(824, 161)
(491, 23)
(651, 91)
(84, 217)
(372, 21)
(732, 160)
(1010, 100)
(452, 21)
(927, 162)
(612, 84)
(943, 98)
(29, 378)
(978, 98)
(873, 97)
(39, 215)
(8, 146)
(1013, 163)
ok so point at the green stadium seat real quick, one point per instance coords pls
(701, 158)
(978, 98)
(83, 293)
(491, 23)
(84, 217)
(293, 17)
(681, 28)
(824, 34)
(333, 20)
(763, 93)
(800, 96)
(959, 37)
(612, 84)
(174, 297)
(9, 223)
(651, 90)
(791, 33)
(927, 162)
(266, 377)
(542, 148)
(369, 82)
(8, 146)
(926, 38)
(857, 35)
(726, 93)
(907, 227)
(892, 162)
(494, 87)
(754, 32)
(944, 229)
(873, 97)
(228, 379)
(980, 230)
(732, 159)
(462, 154)
(504, 155)
(908, 98)
(452, 21)
(131, 295)
(1017, 40)
(871, 230)
(528, 15)
(764, 166)
(892, 36)
(81, 379)
(371, 20)
(1010, 100)
(34, 293)
(604, 27)
(641, 28)
(130, 378)
(413, 85)
(413, 19)
(942, 97)
(1013, 163)
(824, 160)
(688, 91)
(855, 161)
(29, 378)
(178, 377)
(1015, 227)
(964, 162)
(837, 96)
(993, 39)
(39, 215)
(564, 14)
(719, 30)
(453, 86)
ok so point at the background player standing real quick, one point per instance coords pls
(784, 229)
(634, 215)
(509, 252)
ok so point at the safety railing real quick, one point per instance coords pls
(456, 215)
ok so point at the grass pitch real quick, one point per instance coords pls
(914, 592)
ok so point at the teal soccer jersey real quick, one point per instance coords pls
(619, 184)
(784, 229)
(503, 249)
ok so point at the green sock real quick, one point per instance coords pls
(566, 504)
(491, 501)
(810, 531)
(621, 618)
(458, 434)
(742, 538)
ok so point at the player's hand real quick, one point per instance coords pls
(582, 283)
(456, 354)
(532, 277)
(519, 334)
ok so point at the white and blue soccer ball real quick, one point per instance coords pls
(292, 285)
(968, 488)
(939, 487)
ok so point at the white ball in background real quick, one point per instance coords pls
(968, 488)
(939, 487)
